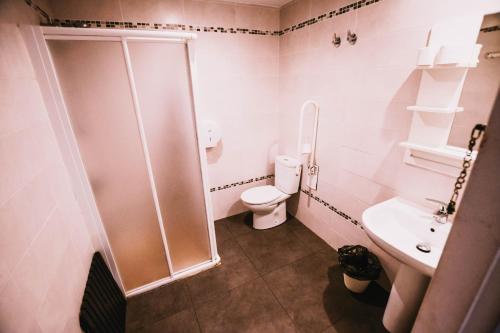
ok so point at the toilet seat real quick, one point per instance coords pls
(261, 195)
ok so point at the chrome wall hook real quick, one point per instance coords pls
(351, 37)
(336, 40)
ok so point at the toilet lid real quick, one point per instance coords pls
(261, 195)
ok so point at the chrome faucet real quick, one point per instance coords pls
(441, 214)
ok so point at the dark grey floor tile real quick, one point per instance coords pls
(300, 287)
(238, 224)
(273, 248)
(248, 308)
(306, 236)
(301, 275)
(358, 324)
(241, 224)
(156, 304)
(235, 269)
(312, 291)
(181, 322)
(222, 232)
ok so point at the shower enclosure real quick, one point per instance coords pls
(128, 99)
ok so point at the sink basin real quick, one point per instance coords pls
(398, 226)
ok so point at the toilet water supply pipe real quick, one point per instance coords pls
(312, 168)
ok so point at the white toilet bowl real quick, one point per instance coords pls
(267, 204)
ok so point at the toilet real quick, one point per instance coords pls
(268, 202)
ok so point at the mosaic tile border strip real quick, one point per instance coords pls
(491, 29)
(243, 182)
(156, 26)
(332, 208)
(192, 28)
(326, 16)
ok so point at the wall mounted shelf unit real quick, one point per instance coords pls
(445, 160)
(451, 66)
(449, 56)
(450, 51)
(434, 109)
(452, 152)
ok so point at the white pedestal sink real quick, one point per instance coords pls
(398, 226)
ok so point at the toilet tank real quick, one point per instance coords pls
(286, 175)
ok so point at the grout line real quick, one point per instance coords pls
(281, 305)
(120, 7)
(26, 127)
(28, 248)
(165, 315)
(232, 238)
(193, 307)
(27, 182)
(261, 276)
(314, 252)
(202, 303)
(289, 315)
(249, 259)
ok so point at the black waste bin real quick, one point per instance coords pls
(360, 267)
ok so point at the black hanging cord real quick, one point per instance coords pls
(476, 133)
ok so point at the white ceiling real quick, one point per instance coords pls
(268, 3)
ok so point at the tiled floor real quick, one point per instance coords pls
(284, 279)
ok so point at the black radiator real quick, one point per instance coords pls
(103, 306)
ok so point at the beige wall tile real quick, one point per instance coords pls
(212, 14)
(16, 311)
(89, 9)
(159, 11)
(15, 12)
(363, 91)
(295, 12)
(44, 248)
(257, 17)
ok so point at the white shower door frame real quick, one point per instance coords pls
(36, 40)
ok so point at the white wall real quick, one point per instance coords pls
(238, 80)
(45, 245)
(239, 90)
(363, 90)
(470, 253)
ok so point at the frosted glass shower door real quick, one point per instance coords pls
(95, 85)
(162, 78)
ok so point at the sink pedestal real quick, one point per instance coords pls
(398, 226)
(407, 293)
